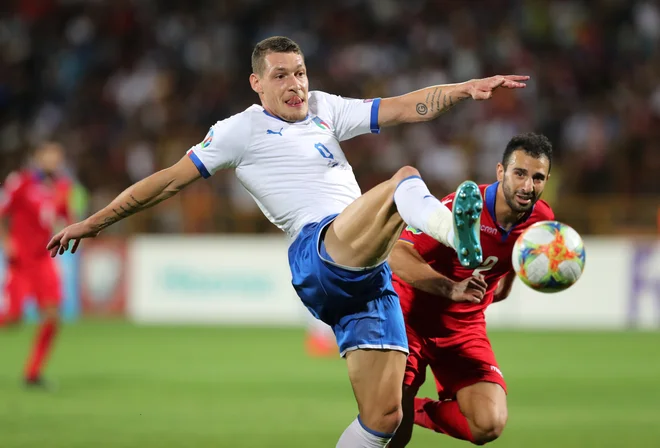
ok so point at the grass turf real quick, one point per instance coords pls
(121, 385)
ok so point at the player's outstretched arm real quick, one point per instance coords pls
(504, 287)
(142, 195)
(409, 265)
(427, 104)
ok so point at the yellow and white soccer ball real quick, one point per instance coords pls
(549, 256)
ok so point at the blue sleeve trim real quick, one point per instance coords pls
(375, 106)
(382, 435)
(200, 166)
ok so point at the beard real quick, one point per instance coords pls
(510, 198)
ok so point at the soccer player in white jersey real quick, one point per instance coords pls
(286, 153)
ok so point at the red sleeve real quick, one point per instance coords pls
(422, 243)
(9, 193)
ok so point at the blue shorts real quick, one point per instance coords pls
(360, 304)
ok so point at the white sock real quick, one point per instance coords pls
(358, 436)
(423, 211)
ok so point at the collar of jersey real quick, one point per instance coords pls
(38, 175)
(290, 122)
(490, 197)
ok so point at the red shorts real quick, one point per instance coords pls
(38, 279)
(454, 367)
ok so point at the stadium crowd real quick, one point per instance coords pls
(128, 86)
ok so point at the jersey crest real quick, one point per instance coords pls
(320, 123)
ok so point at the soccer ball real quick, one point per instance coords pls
(549, 256)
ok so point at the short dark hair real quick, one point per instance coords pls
(535, 145)
(275, 44)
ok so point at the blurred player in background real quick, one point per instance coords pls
(32, 201)
(286, 153)
(320, 339)
(443, 302)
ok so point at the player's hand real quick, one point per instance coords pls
(482, 89)
(75, 232)
(472, 289)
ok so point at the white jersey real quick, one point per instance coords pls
(296, 172)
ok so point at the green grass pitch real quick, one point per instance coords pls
(127, 386)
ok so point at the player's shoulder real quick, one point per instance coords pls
(318, 100)
(542, 212)
(235, 128)
(241, 119)
(317, 96)
(15, 180)
(64, 182)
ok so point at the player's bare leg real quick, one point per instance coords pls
(363, 236)
(404, 433)
(376, 377)
(365, 232)
(484, 406)
(42, 346)
(478, 414)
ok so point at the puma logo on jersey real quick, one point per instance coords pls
(268, 131)
(488, 230)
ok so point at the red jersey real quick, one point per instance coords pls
(33, 205)
(440, 317)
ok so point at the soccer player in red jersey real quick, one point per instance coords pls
(443, 303)
(31, 202)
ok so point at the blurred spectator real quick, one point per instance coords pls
(129, 86)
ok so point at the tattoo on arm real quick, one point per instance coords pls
(448, 101)
(434, 104)
(125, 210)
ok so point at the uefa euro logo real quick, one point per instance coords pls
(207, 140)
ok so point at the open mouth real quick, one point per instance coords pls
(523, 200)
(295, 101)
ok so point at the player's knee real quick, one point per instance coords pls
(391, 419)
(488, 427)
(403, 173)
(384, 418)
(51, 313)
(402, 435)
